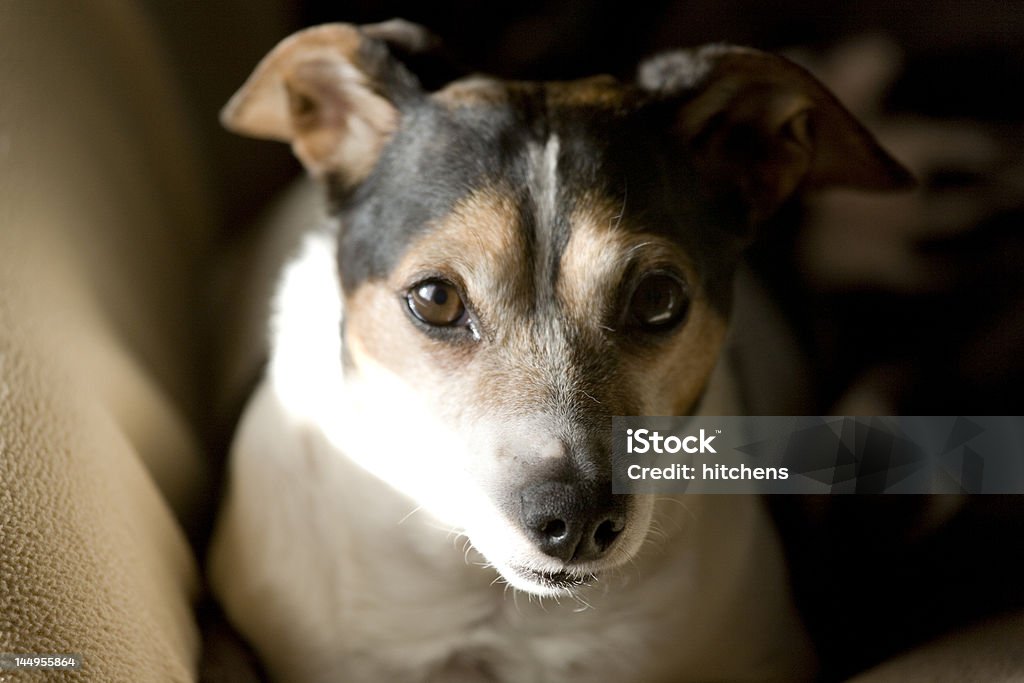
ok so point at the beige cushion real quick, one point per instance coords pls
(989, 652)
(102, 226)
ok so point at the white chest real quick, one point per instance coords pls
(326, 571)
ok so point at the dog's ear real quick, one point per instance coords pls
(759, 127)
(333, 92)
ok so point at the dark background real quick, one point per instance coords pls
(873, 575)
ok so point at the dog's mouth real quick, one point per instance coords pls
(554, 581)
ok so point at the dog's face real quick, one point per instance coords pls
(521, 261)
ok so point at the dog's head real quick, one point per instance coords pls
(521, 261)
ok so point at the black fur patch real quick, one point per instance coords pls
(619, 147)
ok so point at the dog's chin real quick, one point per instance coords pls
(546, 583)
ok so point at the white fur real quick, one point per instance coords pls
(342, 551)
(544, 178)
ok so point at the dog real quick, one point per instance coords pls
(420, 488)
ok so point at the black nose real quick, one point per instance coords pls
(571, 521)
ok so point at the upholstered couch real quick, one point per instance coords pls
(110, 219)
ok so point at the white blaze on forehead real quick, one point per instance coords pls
(544, 180)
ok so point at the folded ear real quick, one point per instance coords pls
(759, 127)
(333, 92)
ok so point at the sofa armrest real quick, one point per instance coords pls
(989, 652)
(102, 224)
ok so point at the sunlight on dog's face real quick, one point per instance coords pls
(504, 336)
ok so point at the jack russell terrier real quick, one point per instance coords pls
(420, 489)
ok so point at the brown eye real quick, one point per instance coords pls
(658, 302)
(437, 303)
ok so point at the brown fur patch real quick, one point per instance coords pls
(677, 378)
(478, 247)
(667, 378)
(597, 91)
(473, 90)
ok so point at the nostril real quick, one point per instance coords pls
(554, 529)
(606, 533)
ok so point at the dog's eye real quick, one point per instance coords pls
(659, 302)
(437, 303)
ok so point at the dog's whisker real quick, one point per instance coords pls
(637, 247)
(622, 560)
(656, 531)
(622, 210)
(622, 577)
(681, 504)
(449, 531)
(655, 538)
(453, 534)
(655, 547)
(410, 514)
(636, 568)
(584, 605)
